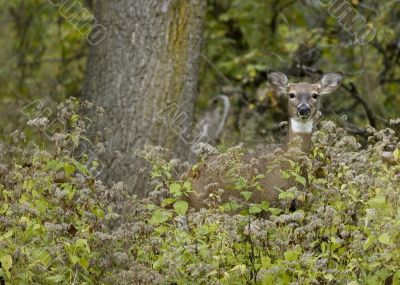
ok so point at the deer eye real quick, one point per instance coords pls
(292, 95)
(315, 95)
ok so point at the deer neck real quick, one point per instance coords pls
(299, 134)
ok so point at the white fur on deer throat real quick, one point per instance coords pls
(302, 127)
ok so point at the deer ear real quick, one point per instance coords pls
(330, 82)
(278, 81)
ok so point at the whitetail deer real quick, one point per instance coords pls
(303, 108)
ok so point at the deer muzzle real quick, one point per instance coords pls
(304, 111)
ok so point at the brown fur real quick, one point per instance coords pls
(260, 160)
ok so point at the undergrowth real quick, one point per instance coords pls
(60, 225)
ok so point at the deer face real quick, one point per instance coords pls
(304, 97)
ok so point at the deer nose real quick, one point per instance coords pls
(303, 110)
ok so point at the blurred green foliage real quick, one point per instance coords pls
(301, 38)
(43, 57)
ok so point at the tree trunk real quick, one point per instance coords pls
(144, 74)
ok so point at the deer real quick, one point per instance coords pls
(303, 112)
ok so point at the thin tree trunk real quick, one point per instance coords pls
(144, 74)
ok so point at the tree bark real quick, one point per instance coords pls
(144, 74)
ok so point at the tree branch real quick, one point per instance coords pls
(353, 91)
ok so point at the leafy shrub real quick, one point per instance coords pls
(54, 215)
(59, 225)
(345, 230)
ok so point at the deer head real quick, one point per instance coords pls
(303, 98)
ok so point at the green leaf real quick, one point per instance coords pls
(181, 207)
(159, 217)
(212, 273)
(396, 278)
(84, 262)
(230, 206)
(175, 189)
(41, 256)
(74, 118)
(370, 241)
(167, 202)
(6, 262)
(82, 168)
(285, 175)
(187, 186)
(7, 235)
(58, 278)
(240, 268)
(74, 259)
(378, 202)
(260, 176)
(329, 277)
(396, 154)
(75, 138)
(150, 207)
(70, 190)
(4, 208)
(255, 209)
(159, 263)
(99, 213)
(300, 179)
(385, 239)
(292, 255)
(323, 247)
(69, 169)
(266, 261)
(275, 211)
(54, 165)
(240, 183)
(42, 206)
(265, 205)
(286, 195)
(83, 244)
(246, 195)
